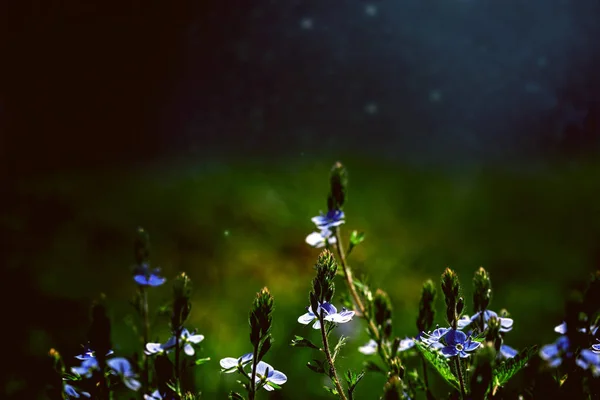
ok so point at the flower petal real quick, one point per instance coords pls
(471, 345)
(369, 348)
(306, 318)
(549, 351)
(153, 348)
(278, 377)
(449, 351)
(195, 339)
(246, 358)
(155, 280)
(228, 363)
(315, 239)
(132, 384)
(562, 328)
(120, 365)
(506, 324)
(406, 344)
(188, 349)
(328, 308)
(340, 318)
(317, 325)
(455, 337)
(464, 321)
(261, 368)
(507, 351)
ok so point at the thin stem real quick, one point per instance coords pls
(332, 371)
(359, 304)
(146, 333)
(252, 392)
(177, 354)
(461, 378)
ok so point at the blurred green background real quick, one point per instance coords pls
(237, 227)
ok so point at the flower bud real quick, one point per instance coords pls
(482, 285)
(426, 307)
(339, 184)
(182, 306)
(141, 246)
(323, 286)
(260, 316)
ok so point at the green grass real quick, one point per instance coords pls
(240, 227)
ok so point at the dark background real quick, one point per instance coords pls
(470, 129)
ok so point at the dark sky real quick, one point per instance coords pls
(96, 83)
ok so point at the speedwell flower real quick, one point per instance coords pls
(433, 339)
(505, 323)
(186, 340)
(157, 395)
(71, 392)
(266, 373)
(330, 314)
(369, 348)
(329, 220)
(458, 344)
(562, 329)
(319, 239)
(230, 364)
(554, 352)
(589, 359)
(507, 352)
(122, 368)
(596, 347)
(144, 276)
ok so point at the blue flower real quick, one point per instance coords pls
(186, 340)
(434, 338)
(507, 352)
(369, 348)
(330, 314)
(89, 353)
(266, 373)
(589, 359)
(71, 392)
(230, 364)
(86, 368)
(562, 329)
(553, 353)
(505, 323)
(319, 239)
(156, 395)
(329, 220)
(458, 344)
(596, 347)
(144, 276)
(122, 368)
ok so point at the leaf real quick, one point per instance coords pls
(299, 341)
(352, 379)
(439, 363)
(503, 372)
(331, 390)
(356, 238)
(336, 350)
(319, 368)
(201, 361)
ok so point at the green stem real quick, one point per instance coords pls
(461, 378)
(332, 371)
(252, 392)
(359, 304)
(146, 333)
(177, 355)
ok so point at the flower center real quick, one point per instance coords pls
(459, 347)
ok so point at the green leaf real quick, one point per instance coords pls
(503, 372)
(356, 238)
(439, 363)
(299, 341)
(331, 390)
(352, 379)
(201, 361)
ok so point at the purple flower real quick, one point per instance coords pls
(505, 323)
(589, 359)
(507, 352)
(186, 340)
(329, 220)
(265, 373)
(330, 314)
(71, 392)
(144, 276)
(434, 338)
(230, 364)
(321, 238)
(553, 353)
(458, 344)
(122, 368)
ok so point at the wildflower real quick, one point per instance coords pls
(433, 339)
(369, 348)
(330, 314)
(505, 323)
(71, 392)
(407, 343)
(589, 359)
(507, 352)
(553, 353)
(562, 329)
(266, 373)
(186, 339)
(144, 276)
(458, 344)
(122, 368)
(157, 395)
(319, 239)
(329, 220)
(86, 368)
(596, 347)
(230, 364)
